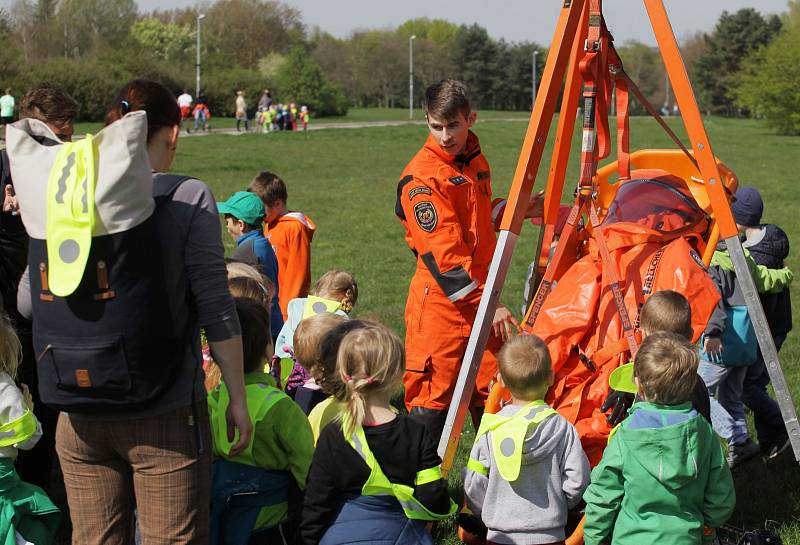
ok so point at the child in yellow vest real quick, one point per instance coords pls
(375, 475)
(26, 513)
(258, 491)
(527, 467)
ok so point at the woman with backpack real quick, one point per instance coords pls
(135, 431)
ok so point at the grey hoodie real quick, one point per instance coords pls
(553, 476)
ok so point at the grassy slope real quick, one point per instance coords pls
(345, 180)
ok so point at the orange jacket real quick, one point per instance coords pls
(290, 236)
(445, 204)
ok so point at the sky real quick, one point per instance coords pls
(514, 20)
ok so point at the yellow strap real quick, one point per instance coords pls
(70, 214)
(428, 475)
(477, 467)
(18, 430)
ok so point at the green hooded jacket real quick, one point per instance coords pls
(663, 477)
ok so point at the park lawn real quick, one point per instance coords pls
(345, 180)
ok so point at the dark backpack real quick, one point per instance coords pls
(111, 345)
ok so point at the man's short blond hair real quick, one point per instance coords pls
(307, 338)
(525, 365)
(667, 310)
(666, 366)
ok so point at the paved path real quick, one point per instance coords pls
(323, 126)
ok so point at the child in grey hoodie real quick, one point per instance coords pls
(527, 467)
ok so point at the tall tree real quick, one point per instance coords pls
(474, 54)
(734, 37)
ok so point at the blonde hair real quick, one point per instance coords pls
(10, 347)
(338, 286)
(667, 310)
(244, 286)
(525, 365)
(666, 366)
(307, 339)
(370, 359)
(237, 269)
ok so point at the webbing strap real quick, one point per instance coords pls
(623, 130)
(613, 281)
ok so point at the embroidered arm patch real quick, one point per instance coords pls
(425, 214)
(418, 191)
(458, 180)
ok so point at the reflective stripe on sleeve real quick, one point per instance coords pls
(477, 467)
(428, 475)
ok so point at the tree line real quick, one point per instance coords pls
(744, 66)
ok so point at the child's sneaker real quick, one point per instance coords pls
(738, 454)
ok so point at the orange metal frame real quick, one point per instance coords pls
(567, 49)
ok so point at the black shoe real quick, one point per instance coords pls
(738, 454)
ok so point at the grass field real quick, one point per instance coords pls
(345, 180)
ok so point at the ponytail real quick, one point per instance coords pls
(340, 286)
(370, 359)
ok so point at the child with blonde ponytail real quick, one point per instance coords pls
(335, 292)
(375, 475)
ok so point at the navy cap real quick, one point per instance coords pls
(748, 207)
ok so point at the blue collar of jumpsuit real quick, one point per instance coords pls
(247, 236)
(646, 415)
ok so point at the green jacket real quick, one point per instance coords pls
(282, 441)
(662, 478)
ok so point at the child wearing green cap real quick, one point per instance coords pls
(244, 213)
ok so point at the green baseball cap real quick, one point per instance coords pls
(245, 206)
(621, 379)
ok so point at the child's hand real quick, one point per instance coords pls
(26, 395)
(712, 346)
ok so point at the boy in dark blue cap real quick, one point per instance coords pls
(769, 246)
(244, 213)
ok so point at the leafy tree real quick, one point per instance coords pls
(92, 25)
(438, 31)
(770, 82)
(166, 41)
(300, 80)
(473, 55)
(734, 37)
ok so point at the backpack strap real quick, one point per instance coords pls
(5, 172)
(165, 185)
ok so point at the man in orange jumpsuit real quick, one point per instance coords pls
(290, 235)
(444, 201)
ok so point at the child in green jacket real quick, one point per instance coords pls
(663, 477)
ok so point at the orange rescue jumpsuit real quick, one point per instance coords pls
(290, 236)
(445, 204)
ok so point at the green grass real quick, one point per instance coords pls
(345, 180)
(354, 115)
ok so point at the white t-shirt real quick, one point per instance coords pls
(6, 106)
(185, 100)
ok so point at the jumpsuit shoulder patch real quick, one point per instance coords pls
(425, 214)
(458, 180)
(418, 191)
(483, 175)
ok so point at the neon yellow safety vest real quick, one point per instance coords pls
(260, 400)
(70, 214)
(18, 430)
(378, 483)
(319, 305)
(507, 438)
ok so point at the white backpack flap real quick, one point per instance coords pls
(124, 188)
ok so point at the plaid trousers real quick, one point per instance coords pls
(152, 464)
